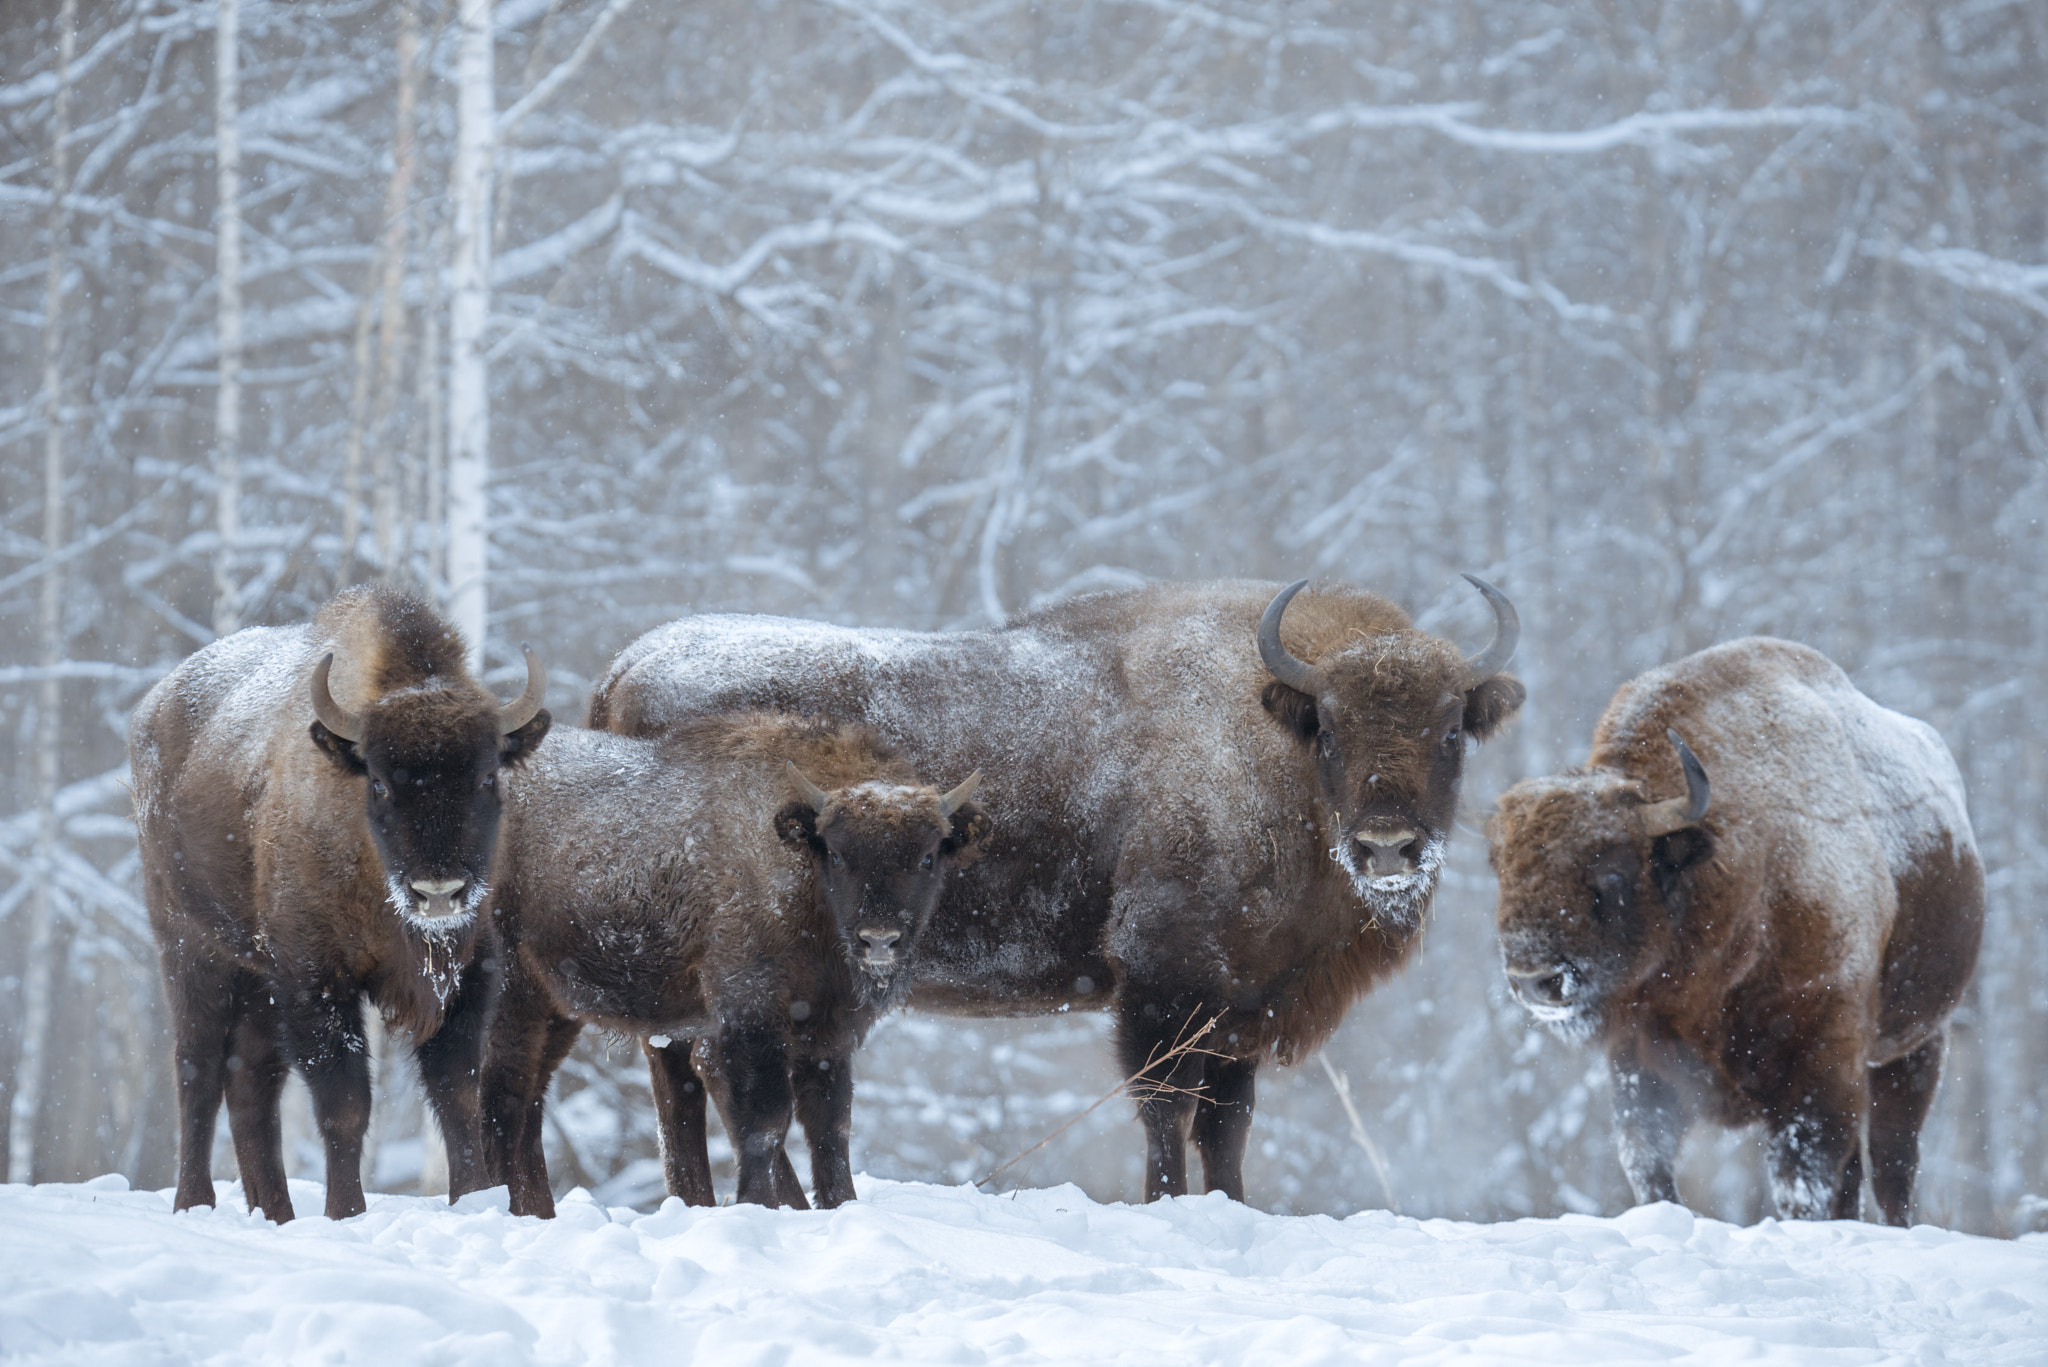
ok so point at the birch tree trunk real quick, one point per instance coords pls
(227, 413)
(391, 322)
(469, 417)
(40, 972)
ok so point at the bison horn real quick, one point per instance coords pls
(811, 793)
(955, 800)
(1507, 631)
(347, 725)
(1282, 665)
(1662, 818)
(526, 706)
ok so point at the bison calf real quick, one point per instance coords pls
(759, 881)
(1781, 941)
(318, 806)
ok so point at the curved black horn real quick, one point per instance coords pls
(1279, 662)
(810, 792)
(526, 706)
(1507, 631)
(1662, 818)
(347, 725)
(952, 802)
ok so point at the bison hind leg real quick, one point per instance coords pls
(1900, 1094)
(256, 1073)
(680, 1120)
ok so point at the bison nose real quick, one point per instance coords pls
(882, 941)
(439, 894)
(1389, 854)
(1542, 986)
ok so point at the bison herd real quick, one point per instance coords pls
(1217, 808)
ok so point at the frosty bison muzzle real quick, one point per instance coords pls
(288, 878)
(1781, 942)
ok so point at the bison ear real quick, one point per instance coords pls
(969, 840)
(1671, 855)
(1488, 706)
(516, 747)
(342, 752)
(1295, 709)
(798, 824)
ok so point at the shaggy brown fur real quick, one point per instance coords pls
(1792, 957)
(1176, 832)
(685, 888)
(279, 868)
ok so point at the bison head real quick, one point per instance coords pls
(882, 851)
(1590, 887)
(1385, 716)
(429, 756)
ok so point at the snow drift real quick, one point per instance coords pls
(101, 1274)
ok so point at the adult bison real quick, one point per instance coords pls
(757, 881)
(318, 807)
(1206, 803)
(1775, 929)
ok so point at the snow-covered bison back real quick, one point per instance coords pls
(318, 809)
(1206, 802)
(1775, 932)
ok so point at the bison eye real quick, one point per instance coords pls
(490, 780)
(837, 862)
(377, 787)
(927, 862)
(1451, 737)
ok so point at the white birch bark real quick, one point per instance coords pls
(227, 413)
(469, 417)
(391, 322)
(40, 971)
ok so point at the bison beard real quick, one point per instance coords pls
(1182, 774)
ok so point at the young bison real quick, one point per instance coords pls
(1783, 944)
(318, 808)
(757, 880)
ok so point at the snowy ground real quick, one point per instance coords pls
(95, 1273)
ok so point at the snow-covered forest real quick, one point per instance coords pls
(1677, 321)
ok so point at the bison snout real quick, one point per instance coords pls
(1390, 854)
(439, 893)
(880, 947)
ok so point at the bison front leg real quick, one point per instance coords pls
(754, 1060)
(450, 1061)
(824, 1103)
(1649, 1125)
(1166, 1085)
(1810, 1141)
(680, 1119)
(1223, 1122)
(324, 1028)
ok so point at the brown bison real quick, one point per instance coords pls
(1210, 804)
(318, 806)
(758, 881)
(1775, 930)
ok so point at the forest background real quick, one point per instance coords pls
(1678, 321)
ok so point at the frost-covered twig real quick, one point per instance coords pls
(1138, 1087)
(1342, 1085)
